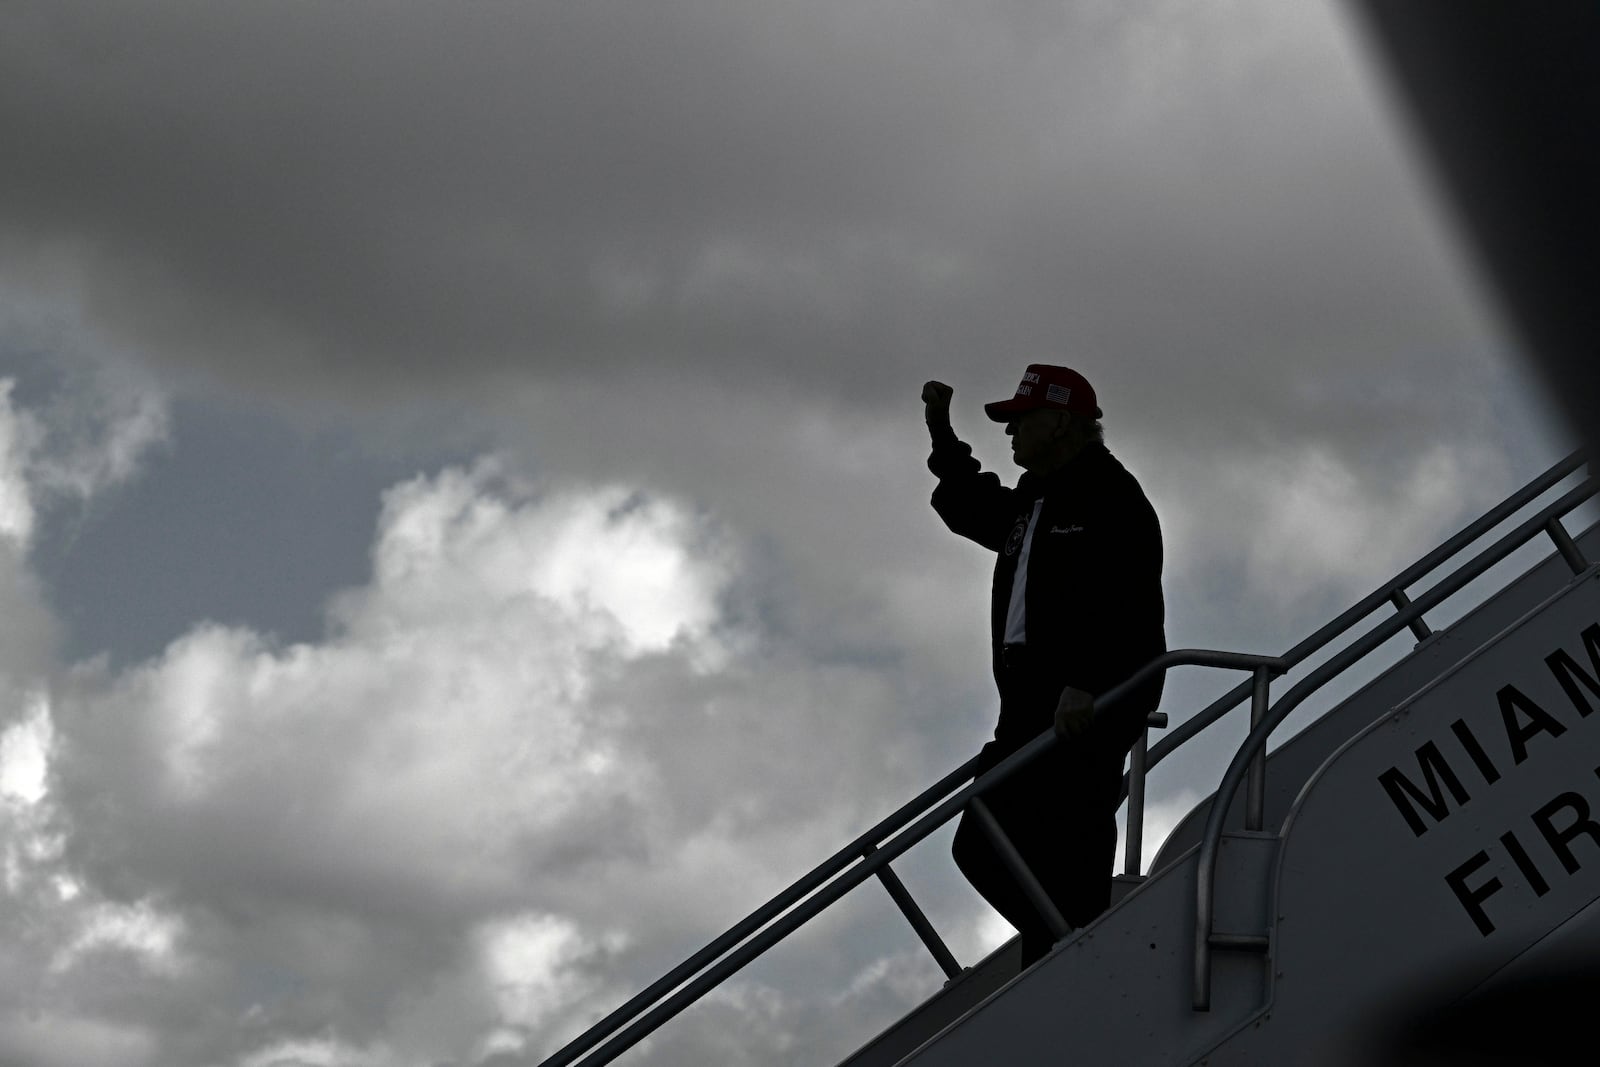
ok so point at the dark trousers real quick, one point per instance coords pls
(1059, 812)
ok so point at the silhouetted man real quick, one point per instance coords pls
(1076, 609)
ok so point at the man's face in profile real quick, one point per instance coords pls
(1033, 437)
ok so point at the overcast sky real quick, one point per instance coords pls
(463, 525)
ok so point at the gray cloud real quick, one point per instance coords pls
(367, 199)
(537, 694)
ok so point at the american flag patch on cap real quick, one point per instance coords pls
(1058, 394)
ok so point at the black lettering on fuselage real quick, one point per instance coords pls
(1572, 811)
(1560, 840)
(1519, 856)
(1513, 700)
(1480, 758)
(1403, 790)
(1560, 822)
(1566, 671)
(1472, 899)
(1521, 717)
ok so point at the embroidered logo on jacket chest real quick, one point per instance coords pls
(1018, 533)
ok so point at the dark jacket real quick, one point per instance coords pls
(1095, 612)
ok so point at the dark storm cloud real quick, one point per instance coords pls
(423, 185)
(362, 197)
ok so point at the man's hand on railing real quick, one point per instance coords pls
(1074, 712)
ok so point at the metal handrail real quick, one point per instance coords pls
(774, 921)
(819, 874)
(1546, 521)
(870, 853)
(1388, 592)
(1370, 603)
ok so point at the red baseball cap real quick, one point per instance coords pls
(1047, 386)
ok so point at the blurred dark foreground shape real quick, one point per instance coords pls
(1542, 1017)
(1506, 100)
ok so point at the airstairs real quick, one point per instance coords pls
(1431, 835)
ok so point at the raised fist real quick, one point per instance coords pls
(936, 398)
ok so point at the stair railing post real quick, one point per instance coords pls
(1019, 869)
(916, 917)
(1132, 861)
(1566, 545)
(1256, 785)
(1138, 770)
(1398, 598)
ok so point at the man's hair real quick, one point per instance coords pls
(1086, 429)
(1090, 429)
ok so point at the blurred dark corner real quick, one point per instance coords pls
(1542, 1018)
(1504, 100)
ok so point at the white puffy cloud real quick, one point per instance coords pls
(1309, 527)
(491, 799)
(386, 844)
(139, 930)
(25, 755)
(16, 444)
(1323, 526)
(1161, 817)
(316, 1053)
(103, 435)
(25, 655)
(448, 714)
(88, 436)
(85, 437)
